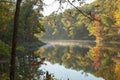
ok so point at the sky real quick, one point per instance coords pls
(52, 6)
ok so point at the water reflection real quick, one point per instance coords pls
(27, 65)
(100, 60)
(74, 62)
(62, 73)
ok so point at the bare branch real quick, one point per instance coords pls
(81, 11)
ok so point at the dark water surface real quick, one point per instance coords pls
(68, 60)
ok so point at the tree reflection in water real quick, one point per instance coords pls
(26, 68)
(101, 60)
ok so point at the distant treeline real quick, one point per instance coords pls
(104, 24)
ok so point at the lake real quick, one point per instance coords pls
(68, 60)
(81, 60)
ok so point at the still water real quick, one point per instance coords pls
(81, 60)
(67, 60)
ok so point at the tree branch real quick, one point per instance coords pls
(81, 11)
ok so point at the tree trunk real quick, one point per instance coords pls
(14, 40)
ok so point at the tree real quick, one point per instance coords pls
(14, 40)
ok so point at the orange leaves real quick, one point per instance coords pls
(96, 18)
(96, 63)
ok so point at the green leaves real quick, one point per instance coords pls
(107, 21)
(4, 48)
(30, 17)
(20, 48)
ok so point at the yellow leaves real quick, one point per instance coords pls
(78, 23)
(27, 79)
(40, 52)
(5, 15)
(66, 22)
(117, 69)
(38, 35)
(117, 13)
(4, 76)
(107, 21)
(55, 31)
(20, 48)
(117, 17)
(68, 56)
(119, 31)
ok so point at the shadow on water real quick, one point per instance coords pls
(76, 61)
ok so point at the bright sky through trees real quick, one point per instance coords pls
(52, 5)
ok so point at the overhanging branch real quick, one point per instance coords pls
(81, 11)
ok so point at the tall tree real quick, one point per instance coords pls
(14, 40)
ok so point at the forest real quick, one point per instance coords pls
(98, 21)
(19, 21)
(29, 23)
